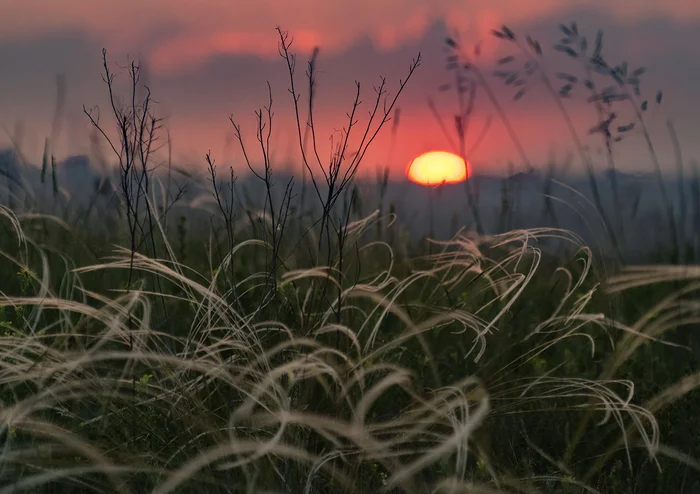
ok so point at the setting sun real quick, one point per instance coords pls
(438, 167)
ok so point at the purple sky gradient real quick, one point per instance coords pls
(208, 59)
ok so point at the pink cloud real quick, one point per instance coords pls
(390, 36)
(212, 27)
(184, 51)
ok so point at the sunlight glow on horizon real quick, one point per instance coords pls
(438, 167)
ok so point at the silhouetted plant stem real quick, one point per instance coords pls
(608, 141)
(680, 179)
(585, 158)
(503, 116)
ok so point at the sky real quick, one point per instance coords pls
(205, 60)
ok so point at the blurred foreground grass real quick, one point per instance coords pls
(490, 365)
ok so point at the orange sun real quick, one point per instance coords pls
(438, 167)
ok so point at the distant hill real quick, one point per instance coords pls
(524, 200)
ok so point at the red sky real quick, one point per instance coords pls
(210, 58)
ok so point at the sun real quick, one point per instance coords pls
(438, 167)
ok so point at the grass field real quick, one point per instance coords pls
(314, 347)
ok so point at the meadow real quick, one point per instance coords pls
(166, 332)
